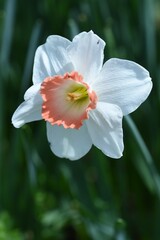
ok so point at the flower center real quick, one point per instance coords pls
(67, 100)
(79, 94)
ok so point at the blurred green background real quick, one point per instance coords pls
(43, 197)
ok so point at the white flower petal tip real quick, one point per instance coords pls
(30, 109)
(105, 128)
(25, 113)
(69, 143)
(124, 83)
(82, 100)
(87, 53)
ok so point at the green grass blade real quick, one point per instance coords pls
(146, 154)
(33, 44)
(8, 30)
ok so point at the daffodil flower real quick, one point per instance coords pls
(81, 99)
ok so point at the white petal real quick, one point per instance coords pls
(51, 59)
(86, 52)
(68, 143)
(29, 110)
(124, 83)
(105, 129)
(32, 91)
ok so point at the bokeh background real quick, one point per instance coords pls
(95, 198)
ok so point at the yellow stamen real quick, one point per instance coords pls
(78, 94)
